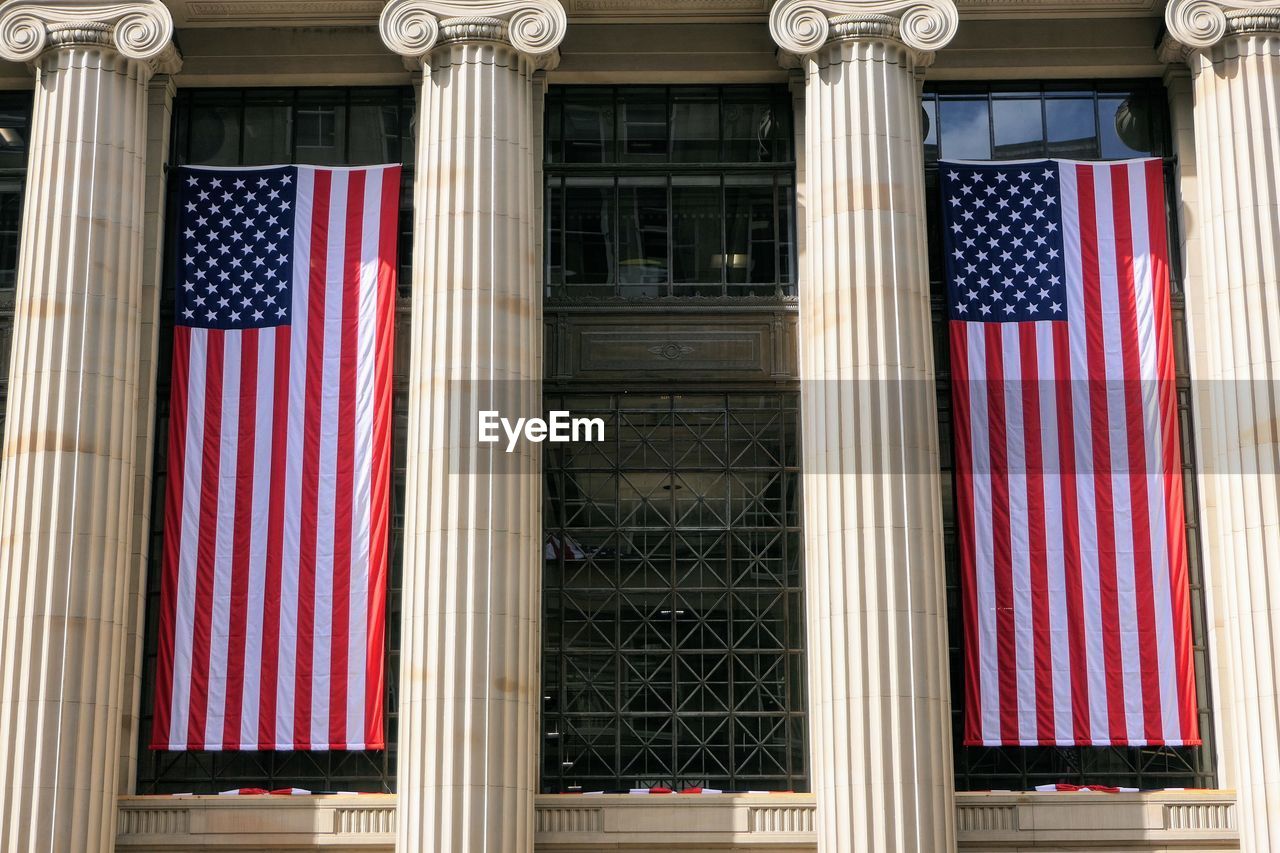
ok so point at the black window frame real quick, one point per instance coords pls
(614, 166)
(1022, 768)
(204, 772)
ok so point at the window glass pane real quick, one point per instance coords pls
(10, 227)
(750, 255)
(215, 135)
(642, 126)
(268, 132)
(588, 129)
(756, 130)
(589, 234)
(697, 223)
(929, 120)
(13, 137)
(375, 134)
(786, 229)
(554, 245)
(695, 126)
(1128, 126)
(1071, 130)
(642, 248)
(321, 128)
(965, 129)
(1019, 128)
(551, 131)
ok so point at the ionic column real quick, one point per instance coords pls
(1233, 49)
(470, 650)
(879, 697)
(69, 452)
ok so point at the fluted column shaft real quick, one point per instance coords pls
(69, 454)
(470, 648)
(1237, 139)
(879, 696)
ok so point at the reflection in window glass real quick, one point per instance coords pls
(588, 232)
(965, 127)
(588, 130)
(1125, 125)
(642, 230)
(682, 221)
(268, 133)
(642, 126)
(1018, 127)
(1072, 132)
(321, 134)
(695, 126)
(215, 136)
(750, 233)
(929, 121)
(697, 223)
(375, 133)
(10, 232)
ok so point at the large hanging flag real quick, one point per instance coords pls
(1077, 627)
(275, 550)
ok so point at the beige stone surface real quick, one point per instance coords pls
(1183, 821)
(470, 676)
(70, 444)
(1233, 49)
(879, 696)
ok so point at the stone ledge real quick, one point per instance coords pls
(1184, 821)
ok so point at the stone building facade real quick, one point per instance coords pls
(711, 222)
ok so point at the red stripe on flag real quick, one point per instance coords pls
(206, 549)
(1001, 534)
(380, 485)
(1135, 431)
(963, 427)
(1038, 557)
(242, 512)
(275, 546)
(1076, 644)
(1100, 432)
(175, 466)
(1170, 455)
(345, 472)
(305, 669)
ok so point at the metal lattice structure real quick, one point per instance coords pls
(673, 632)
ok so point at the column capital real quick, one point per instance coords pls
(802, 26)
(413, 28)
(139, 29)
(1199, 24)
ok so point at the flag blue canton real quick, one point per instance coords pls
(1003, 242)
(235, 247)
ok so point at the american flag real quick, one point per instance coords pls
(1077, 627)
(275, 519)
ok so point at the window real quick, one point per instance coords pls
(669, 192)
(673, 631)
(1106, 121)
(259, 127)
(15, 119)
(673, 627)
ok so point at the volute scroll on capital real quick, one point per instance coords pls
(535, 28)
(138, 29)
(802, 26)
(1203, 23)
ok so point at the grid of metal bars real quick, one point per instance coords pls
(672, 619)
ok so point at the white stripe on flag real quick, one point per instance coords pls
(357, 655)
(257, 586)
(984, 555)
(184, 616)
(293, 460)
(219, 635)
